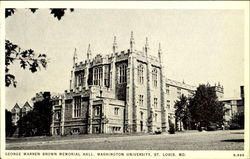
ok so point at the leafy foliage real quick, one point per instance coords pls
(33, 10)
(28, 59)
(205, 107)
(56, 12)
(237, 121)
(37, 122)
(9, 12)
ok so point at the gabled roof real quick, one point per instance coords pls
(16, 106)
(27, 105)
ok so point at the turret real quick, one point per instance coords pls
(74, 58)
(132, 42)
(159, 52)
(115, 45)
(146, 46)
(89, 53)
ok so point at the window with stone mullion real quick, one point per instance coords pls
(140, 74)
(122, 73)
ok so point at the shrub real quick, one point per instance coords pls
(158, 131)
(234, 126)
(237, 121)
(199, 128)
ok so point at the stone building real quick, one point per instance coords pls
(18, 112)
(233, 106)
(120, 92)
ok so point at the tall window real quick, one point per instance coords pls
(81, 79)
(106, 76)
(154, 77)
(122, 73)
(155, 102)
(97, 76)
(140, 74)
(77, 107)
(141, 100)
(167, 89)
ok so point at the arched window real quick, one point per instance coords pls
(154, 77)
(122, 73)
(140, 74)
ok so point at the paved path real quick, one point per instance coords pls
(216, 140)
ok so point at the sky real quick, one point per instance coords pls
(199, 46)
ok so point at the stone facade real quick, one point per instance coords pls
(173, 90)
(117, 93)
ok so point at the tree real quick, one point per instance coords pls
(9, 127)
(205, 108)
(182, 113)
(56, 12)
(37, 122)
(27, 58)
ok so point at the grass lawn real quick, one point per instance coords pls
(189, 140)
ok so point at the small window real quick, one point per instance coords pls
(75, 130)
(167, 89)
(141, 100)
(116, 129)
(155, 102)
(57, 115)
(97, 111)
(116, 111)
